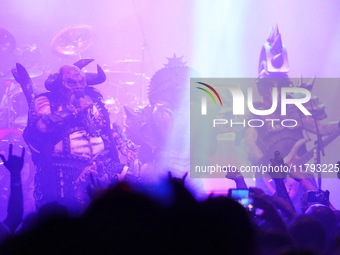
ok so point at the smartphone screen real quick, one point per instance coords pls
(243, 197)
(318, 196)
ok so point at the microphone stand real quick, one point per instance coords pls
(319, 149)
(144, 46)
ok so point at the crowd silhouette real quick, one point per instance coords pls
(129, 219)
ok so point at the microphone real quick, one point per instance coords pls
(79, 93)
(278, 158)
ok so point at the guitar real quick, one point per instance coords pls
(293, 159)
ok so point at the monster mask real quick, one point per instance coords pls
(72, 78)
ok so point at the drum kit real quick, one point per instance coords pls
(125, 87)
(125, 78)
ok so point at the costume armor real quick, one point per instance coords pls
(70, 137)
(273, 72)
(162, 128)
(261, 143)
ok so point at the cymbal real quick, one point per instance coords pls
(128, 61)
(21, 120)
(31, 72)
(125, 65)
(7, 42)
(108, 71)
(72, 40)
(120, 77)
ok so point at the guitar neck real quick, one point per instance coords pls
(305, 158)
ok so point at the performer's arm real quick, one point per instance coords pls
(126, 147)
(42, 109)
(48, 121)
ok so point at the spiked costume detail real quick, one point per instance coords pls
(168, 83)
(273, 58)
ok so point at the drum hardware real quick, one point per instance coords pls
(120, 76)
(32, 57)
(128, 61)
(7, 42)
(20, 109)
(127, 87)
(33, 73)
(72, 40)
(125, 65)
(13, 109)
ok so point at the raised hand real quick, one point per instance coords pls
(95, 189)
(279, 174)
(270, 214)
(232, 175)
(237, 177)
(87, 171)
(175, 180)
(14, 163)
